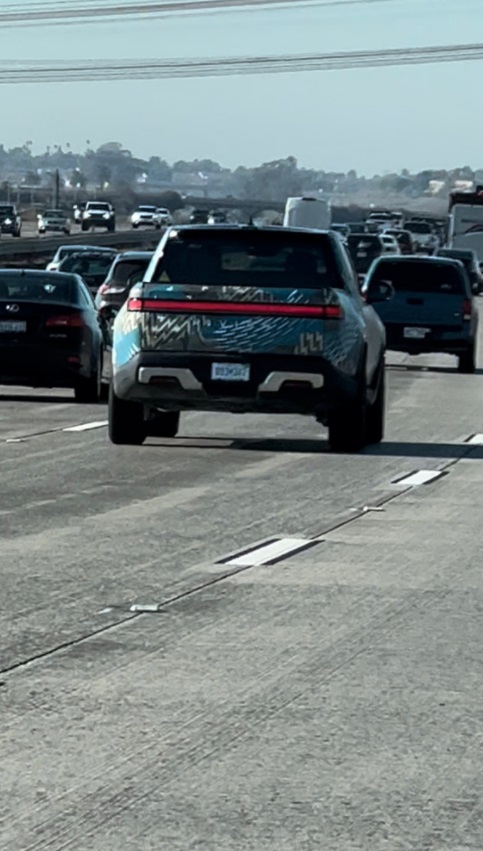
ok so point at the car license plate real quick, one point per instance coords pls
(416, 333)
(13, 327)
(230, 372)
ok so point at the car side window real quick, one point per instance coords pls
(348, 272)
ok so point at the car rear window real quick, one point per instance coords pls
(87, 265)
(49, 288)
(125, 268)
(429, 277)
(248, 259)
(418, 227)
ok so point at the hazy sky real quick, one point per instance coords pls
(372, 120)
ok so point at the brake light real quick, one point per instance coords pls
(73, 320)
(467, 308)
(240, 308)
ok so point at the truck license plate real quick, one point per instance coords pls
(230, 372)
(416, 333)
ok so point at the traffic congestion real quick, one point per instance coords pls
(239, 550)
(289, 319)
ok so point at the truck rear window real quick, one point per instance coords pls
(416, 277)
(248, 259)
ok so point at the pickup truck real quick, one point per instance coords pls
(99, 214)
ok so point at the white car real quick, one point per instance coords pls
(390, 244)
(149, 216)
(53, 220)
(64, 251)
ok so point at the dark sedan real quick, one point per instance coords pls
(49, 333)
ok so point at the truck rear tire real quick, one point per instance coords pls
(126, 423)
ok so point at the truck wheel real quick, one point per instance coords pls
(126, 423)
(84, 226)
(348, 426)
(467, 361)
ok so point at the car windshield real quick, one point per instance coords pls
(87, 265)
(247, 259)
(98, 205)
(46, 288)
(54, 213)
(432, 277)
(418, 227)
(146, 209)
(125, 269)
(6, 210)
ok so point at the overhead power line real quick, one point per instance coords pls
(145, 69)
(68, 12)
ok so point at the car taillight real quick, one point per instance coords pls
(240, 308)
(467, 308)
(73, 320)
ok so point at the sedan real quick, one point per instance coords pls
(49, 333)
(64, 251)
(54, 221)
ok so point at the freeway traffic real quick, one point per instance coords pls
(262, 633)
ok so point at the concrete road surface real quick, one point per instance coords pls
(237, 640)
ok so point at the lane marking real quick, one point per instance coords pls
(476, 440)
(419, 477)
(270, 553)
(87, 426)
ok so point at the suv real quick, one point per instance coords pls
(148, 216)
(199, 217)
(246, 319)
(10, 221)
(364, 248)
(127, 269)
(424, 238)
(469, 260)
(403, 238)
(99, 214)
(432, 308)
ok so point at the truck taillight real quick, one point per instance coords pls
(467, 309)
(240, 308)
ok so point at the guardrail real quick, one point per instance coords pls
(34, 249)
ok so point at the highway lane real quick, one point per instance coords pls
(75, 508)
(87, 529)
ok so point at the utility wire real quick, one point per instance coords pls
(134, 69)
(35, 14)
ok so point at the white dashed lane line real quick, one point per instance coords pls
(87, 426)
(419, 477)
(269, 553)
